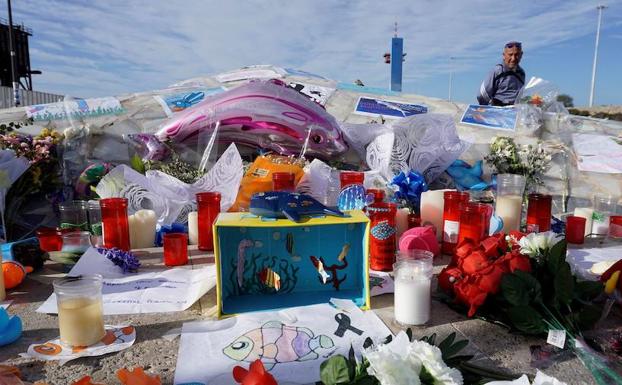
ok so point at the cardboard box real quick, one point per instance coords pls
(270, 264)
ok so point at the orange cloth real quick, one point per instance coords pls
(258, 178)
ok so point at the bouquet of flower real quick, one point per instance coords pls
(43, 177)
(408, 361)
(506, 157)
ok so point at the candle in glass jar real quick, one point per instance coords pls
(432, 205)
(413, 274)
(539, 213)
(193, 228)
(142, 229)
(401, 221)
(587, 213)
(509, 208)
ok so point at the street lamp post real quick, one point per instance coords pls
(600, 14)
(451, 76)
(13, 65)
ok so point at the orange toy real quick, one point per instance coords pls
(14, 273)
(86, 380)
(258, 178)
(137, 377)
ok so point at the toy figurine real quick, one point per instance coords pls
(279, 204)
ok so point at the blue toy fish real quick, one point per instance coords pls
(467, 177)
(293, 206)
(354, 197)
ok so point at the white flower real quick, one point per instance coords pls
(391, 369)
(536, 244)
(431, 358)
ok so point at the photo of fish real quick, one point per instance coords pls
(499, 118)
(270, 278)
(275, 342)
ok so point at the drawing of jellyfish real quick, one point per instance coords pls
(274, 343)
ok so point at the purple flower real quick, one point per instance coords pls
(124, 259)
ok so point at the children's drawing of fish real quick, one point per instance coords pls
(344, 252)
(376, 282)
(242, 246)
(274, 343)
(270, 278)
(320, 269)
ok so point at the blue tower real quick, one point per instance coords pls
(397, 50)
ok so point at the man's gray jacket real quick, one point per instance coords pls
(501, 86)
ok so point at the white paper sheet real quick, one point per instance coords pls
(5, 304)
(163, 291)
(582, 260)
(598, 153)
(302, 334)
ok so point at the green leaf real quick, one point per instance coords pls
(587, 290)
(409, 333)
(564, 284)
(137, 164)
(351, 363)
(556, 256)
(425, 377)
(520, 288)
(334, 371)
(367, 343)
(446, 343)
(455, 348)
(527, 319)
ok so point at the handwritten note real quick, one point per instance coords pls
(162, 291)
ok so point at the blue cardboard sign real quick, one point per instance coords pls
(387, 108)
(497, 118)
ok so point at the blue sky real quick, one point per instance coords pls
(115, 47)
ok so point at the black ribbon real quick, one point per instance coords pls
(344, 325)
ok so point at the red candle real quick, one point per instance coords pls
(473, 222)
(451, 219)
(348, 178)
(175, 249)
(414, 220)
(283, 181)
(208, 207)
(377, 193)
(615, 226)
(50, 239)
(575, 229)
(382, 240)
(115, 227)
(539, 213)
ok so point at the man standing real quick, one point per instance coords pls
(502, 84)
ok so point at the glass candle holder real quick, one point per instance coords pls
(414, 220)
(453, 200)
(412, 279)
(588, 214)
(80, 310)
(50, 239)
(283, 181)
(95, 223)
(77, 242)
(382, 240)
(347, 178)
(510, 188)
(473, 222)
(175, 249)
(615, 226)
(539, 213)
(575, 229)
(73, 215)
(208, 207)
(115, 227)
(604, 206)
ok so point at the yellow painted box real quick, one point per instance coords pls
(266, 265)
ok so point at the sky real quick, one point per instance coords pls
(104, 48)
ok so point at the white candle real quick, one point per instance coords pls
(432, 205)
(509, 208)
(193, 228)
(2, 291)
(401, 221)
(142, 229)
(587, 213)
(412, 300)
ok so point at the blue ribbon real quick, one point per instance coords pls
(410, 187)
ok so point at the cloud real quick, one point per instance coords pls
(115, 47)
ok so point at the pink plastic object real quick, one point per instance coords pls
(265, 114)
(421, 238)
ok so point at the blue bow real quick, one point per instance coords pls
(410, 187)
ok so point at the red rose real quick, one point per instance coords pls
(474, 262)
(448, 278)
(462, 250)
(469, 294)
(489, 279)
(516, 261)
